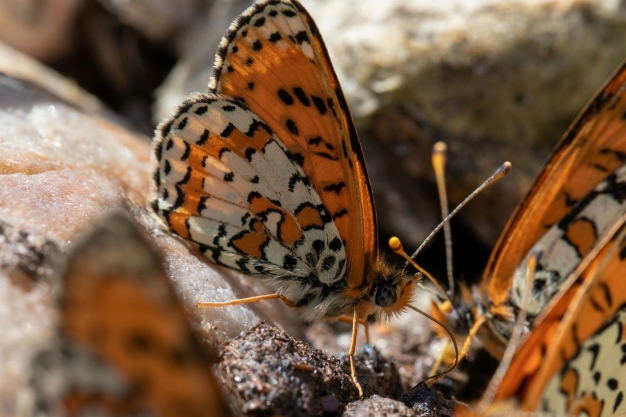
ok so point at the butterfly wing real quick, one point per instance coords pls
(226, 182)
(275, 61)
(574, 358)
(590, 153)
(126, 347)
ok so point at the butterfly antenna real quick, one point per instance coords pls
(439, 166)
(396, 245)
(438, 376)
(496, 176)
(516, 334)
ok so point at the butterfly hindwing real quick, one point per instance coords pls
(575, 358)
(274, 60)
(227, 183)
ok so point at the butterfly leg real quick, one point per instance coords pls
(355, 323)
(247, 300)
(470, 336)
(348, 319)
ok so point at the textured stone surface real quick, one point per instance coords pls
(267, 372)
(61, 169)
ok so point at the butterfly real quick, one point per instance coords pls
(572, 205)
(124, 344)
(573, 358)
(265, 173)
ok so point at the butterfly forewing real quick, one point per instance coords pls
(274, 61)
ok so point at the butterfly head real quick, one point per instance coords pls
(391, 290)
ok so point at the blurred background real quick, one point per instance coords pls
(495, 79)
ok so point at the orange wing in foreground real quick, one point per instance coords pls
(119, 307)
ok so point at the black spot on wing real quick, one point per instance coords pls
(222, 151)
(228, 130)
(318, 246)
(319, 105)
(186, 153)
(229, 177)
(594, 350)
(340, 213)
(202, 203)
(248, 62)
(292, 127)
(288, 13)
(297, 158)
(256, 125)
(228, 108)
(201, 110)
(618, 401)
(315, 141)
(180, 199)
(296, 178)
(607, 294)
(182, 124)
(167, 168)
(301, 95)
(302, 37)
(335, 188)
(259, 22)
(257, 45)
(204, 137)
(326, 155)
(253, 195)
(251, 85)
(289, 262)
(249, 153)
(328, 262)
(335, 244)
(274, 37)
(186, 178)
(285, 97)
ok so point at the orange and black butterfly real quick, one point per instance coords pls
(124, 345)
(265, 172)
(573, 360)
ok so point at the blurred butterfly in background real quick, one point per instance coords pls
(265, 173)
(573, 361)
(124, 345)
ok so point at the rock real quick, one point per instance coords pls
(427, 402)
(267, 372)
(377, 406)
(42, 29)
(160, 19)
(62, 169)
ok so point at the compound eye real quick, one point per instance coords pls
(385, 295)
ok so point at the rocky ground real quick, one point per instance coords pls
(496, 80)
